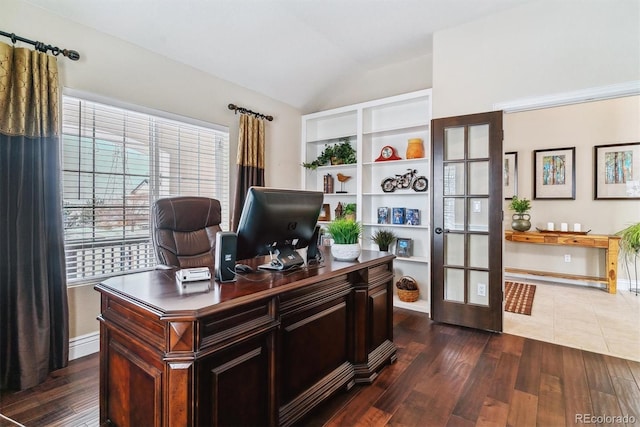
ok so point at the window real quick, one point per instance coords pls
(116, 163)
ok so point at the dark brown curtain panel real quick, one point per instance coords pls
(250, 170)
(34, 324)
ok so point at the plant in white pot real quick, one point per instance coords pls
(346, 239)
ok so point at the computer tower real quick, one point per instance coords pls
(226, 242)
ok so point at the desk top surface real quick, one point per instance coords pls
(159, 291)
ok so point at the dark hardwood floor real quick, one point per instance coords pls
(444, 376)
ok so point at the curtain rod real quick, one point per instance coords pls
(246, 111)
(55, 50)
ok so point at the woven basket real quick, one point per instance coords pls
(408, 295)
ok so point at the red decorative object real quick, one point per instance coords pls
(388, 153)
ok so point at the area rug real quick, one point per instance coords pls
(519, 297)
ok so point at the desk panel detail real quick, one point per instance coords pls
(264, 350)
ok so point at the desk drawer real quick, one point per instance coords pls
(532, 238)
(579, 241)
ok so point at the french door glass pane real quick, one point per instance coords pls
(478, 281)
(479, 250)
(478, 214)
(479, 141)
(454, 179)
(454, 249)
(479, 178)
(454, 143)
(454, 284)
(453, 213)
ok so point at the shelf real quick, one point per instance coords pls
(370, 126)
(405, 162)
(415, 127)
(405, 226)
(420, 305)
(418, 259)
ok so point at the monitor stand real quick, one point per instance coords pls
(284, 258)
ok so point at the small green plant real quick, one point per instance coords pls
(340, 153)
(630, 240)
(520, 206)
(383, 238)
(344, 231)
(349, 209)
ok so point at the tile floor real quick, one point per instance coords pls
(582, 317)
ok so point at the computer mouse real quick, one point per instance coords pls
(243, 268)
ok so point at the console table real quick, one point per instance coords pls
(611, 245)
(263, 350)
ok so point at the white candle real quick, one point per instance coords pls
(564, 226)
(576, 227)
(550, 226)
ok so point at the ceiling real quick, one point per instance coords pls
(289, 50)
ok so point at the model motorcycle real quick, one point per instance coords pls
(407, 180)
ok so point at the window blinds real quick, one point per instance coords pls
(116, 163)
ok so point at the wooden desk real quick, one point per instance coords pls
(611, 245)
(264, 350)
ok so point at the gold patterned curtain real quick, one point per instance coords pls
(250, 171)
(34, 337)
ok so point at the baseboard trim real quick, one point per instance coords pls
(84, 345)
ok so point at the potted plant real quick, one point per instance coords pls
(383, 238)
(521, 220)
(340, 153)
(346, 239)
(350, 211)
(630, 250)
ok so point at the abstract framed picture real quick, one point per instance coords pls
(554, 173)
(510, 175)
(616, 171)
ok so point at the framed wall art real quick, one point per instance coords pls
(510, 175)
(616, 171)
(554, 173)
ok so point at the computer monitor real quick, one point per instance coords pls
(276, 222)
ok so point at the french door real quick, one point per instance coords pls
(466, 221)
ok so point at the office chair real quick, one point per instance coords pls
(184, 231)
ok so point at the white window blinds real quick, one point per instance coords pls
(116, 163)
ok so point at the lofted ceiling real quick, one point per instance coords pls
(289, 50)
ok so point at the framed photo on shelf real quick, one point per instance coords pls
(398, 215)
(404, 247)
(383, 215)
(412, 217)
(510, 175)
(616, 171)
(554, 173)
(325, 213)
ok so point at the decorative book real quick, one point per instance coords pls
(412, 217)
(398, 215)
(383, 215)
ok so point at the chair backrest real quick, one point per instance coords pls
(184, 231)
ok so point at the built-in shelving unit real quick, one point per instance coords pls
(370, 126)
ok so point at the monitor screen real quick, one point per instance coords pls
(277, 221)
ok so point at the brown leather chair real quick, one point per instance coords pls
(184, 231)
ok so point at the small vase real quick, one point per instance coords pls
(342, 252)
(383, 248)
(521, 222)
(415, 149)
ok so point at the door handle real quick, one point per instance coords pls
(438, 230)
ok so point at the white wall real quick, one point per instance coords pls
(112, 68)
(393, 79)
(543, 47)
